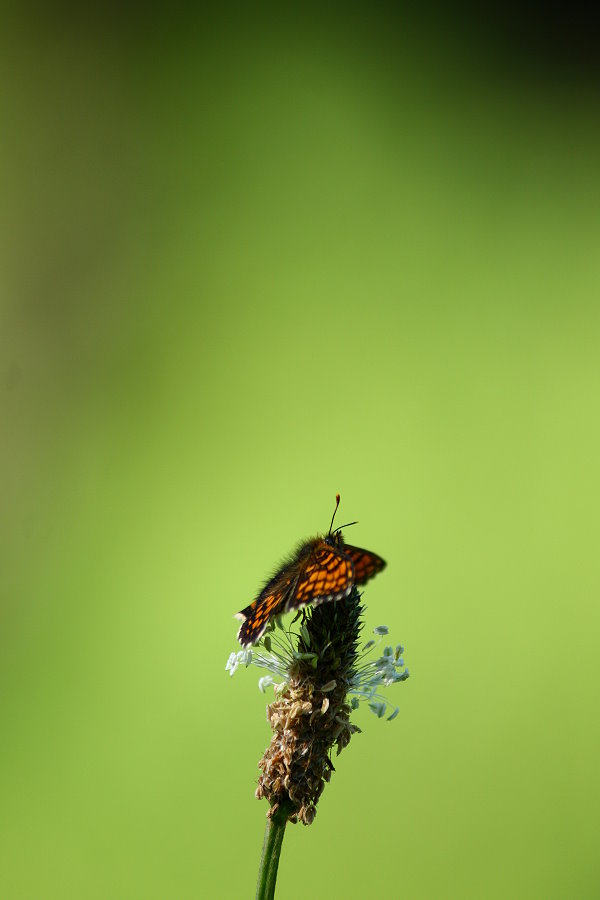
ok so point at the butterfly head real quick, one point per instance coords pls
(335, 539)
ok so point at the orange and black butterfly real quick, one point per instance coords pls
(321, 569)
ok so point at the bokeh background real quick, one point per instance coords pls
(251, 258)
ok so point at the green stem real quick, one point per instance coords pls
(269, 861)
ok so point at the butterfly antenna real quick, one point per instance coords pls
(337, 503)
(347, 525)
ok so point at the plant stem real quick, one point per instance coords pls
(269, 861)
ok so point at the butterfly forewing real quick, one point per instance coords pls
(328, 575)
(366, 564)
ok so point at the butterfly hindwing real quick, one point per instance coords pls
(257, 616)
(270, 602)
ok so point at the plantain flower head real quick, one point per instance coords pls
(319, 676)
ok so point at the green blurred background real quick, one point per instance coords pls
(248, 260)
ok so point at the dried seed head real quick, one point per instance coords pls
(311, 716)
(320, 677)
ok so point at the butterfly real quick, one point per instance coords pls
(321, 569)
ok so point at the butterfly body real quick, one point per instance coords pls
(320, 570)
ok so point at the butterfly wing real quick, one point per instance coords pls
(256, 617)
(328, 574)
(366, 564)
